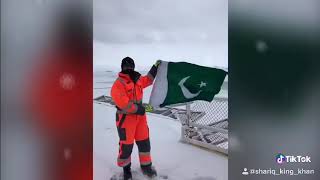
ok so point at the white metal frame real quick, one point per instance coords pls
(190, 124)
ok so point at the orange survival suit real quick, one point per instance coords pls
(127, 94)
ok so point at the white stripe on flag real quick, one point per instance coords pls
(160, 86)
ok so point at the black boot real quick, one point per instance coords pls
(127, 172)
(149, 171)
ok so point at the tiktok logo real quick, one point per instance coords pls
(280, 158)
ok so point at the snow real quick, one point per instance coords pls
(170, 156)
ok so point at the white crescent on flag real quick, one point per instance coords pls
(186, 93)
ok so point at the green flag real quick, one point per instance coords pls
(180, 82)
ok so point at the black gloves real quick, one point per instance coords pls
(153, 71)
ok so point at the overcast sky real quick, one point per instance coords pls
(181, 30)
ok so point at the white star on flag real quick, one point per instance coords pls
(202, 84)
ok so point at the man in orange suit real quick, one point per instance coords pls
(131, 120)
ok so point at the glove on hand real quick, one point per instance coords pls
(157, 63)
(148, 108)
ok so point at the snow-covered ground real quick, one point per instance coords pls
(170, 157)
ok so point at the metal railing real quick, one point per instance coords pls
(205, 124)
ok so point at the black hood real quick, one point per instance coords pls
(127, 63)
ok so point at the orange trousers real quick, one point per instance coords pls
(133, 128)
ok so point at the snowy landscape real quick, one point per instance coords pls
(177, 160)
(147, 31)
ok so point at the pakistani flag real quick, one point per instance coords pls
(180, 82)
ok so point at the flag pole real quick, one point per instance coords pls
(188, 109)
(186, 126)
